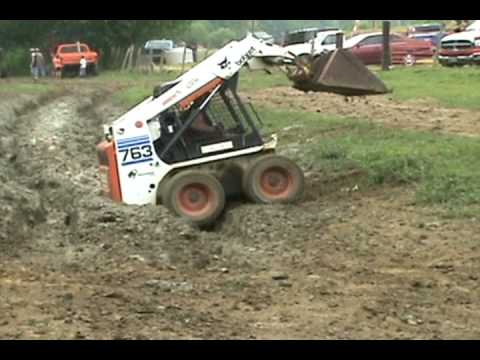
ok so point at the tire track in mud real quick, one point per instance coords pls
(20, 206)
(51, 163)
(83, 246)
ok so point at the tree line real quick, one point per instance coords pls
(17, 36)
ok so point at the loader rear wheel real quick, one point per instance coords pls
(273, 179)
(195, 196)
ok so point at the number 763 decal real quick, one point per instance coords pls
(136, 154)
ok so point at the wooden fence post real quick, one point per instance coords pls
(138, 58)
(130, 59)
(387, 59)
(184, 56)
(125, 59)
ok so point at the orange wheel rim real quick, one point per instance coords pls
(195, 199)
(276, 183)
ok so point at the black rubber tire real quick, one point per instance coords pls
(409, 60)
(178, 194)
(289, 189)
(162, 193)
(94, 70)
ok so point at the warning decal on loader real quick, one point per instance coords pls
(217, 147)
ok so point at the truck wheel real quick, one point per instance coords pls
(409, 60)
(195, 196)
(273, 179)
(94, 70)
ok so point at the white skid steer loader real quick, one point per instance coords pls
(194, 142)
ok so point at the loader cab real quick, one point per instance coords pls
(216, 123)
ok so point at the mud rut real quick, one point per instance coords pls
(338, 265)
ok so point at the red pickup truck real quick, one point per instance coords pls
(66, 59)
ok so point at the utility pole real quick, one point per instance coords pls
(386, 60)
(339, 41)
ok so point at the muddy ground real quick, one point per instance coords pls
(339, 265)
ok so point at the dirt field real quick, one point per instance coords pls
(340, 265)
(420, 114)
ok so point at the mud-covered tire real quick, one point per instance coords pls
(273, 179)
(196, 196)
(162, 193)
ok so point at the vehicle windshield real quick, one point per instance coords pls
(475, 26)
(427, 28)
(72, 49)
(299, 37)
(354, 40)
(330, 40)
(159, 45)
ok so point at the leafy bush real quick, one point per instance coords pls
(17, 61)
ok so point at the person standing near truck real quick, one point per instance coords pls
(83, 67)
(40, 63)
(34, 64)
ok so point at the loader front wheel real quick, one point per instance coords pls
(196, 196)
(273, 179)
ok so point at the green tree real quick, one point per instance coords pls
(198, 32)
(220, 37)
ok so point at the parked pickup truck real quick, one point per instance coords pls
(66, 59)
(300, 42)
(461, 48)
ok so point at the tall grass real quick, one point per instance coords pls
(451, 87)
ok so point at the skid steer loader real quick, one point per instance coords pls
(194, 142)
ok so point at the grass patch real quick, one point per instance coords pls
(25, 86)
(135, 86)
(451, 87)
(256, 80)
(445, 169)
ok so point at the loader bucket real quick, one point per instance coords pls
(339, 72)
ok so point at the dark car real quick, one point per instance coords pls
(369, 49)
